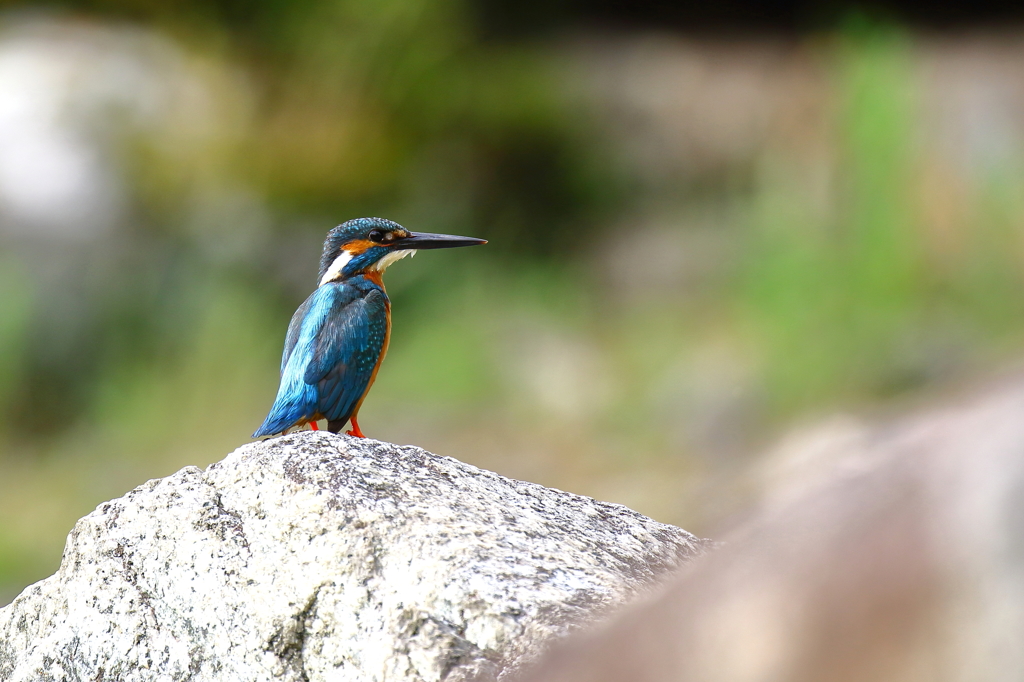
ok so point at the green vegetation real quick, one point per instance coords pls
(887, 290)
(852, 275)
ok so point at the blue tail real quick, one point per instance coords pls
(295, 402)
(276, 423)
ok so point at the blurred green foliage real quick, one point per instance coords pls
(158, 347)
(837, 295)
(864, 300)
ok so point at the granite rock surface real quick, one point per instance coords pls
(316, 556)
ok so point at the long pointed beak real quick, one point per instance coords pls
(425, 240)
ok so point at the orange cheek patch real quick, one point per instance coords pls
(358, 246)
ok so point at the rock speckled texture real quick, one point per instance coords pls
(323, 557)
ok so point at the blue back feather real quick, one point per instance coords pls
(333, 344)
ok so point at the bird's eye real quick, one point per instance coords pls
(376, 236)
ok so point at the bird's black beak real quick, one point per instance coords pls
(425, 240)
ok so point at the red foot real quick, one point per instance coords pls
(313, 426)
(355, 431)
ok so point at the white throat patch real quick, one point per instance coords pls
(393, 257)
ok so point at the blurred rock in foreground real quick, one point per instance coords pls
(315, 556)
(886, 553)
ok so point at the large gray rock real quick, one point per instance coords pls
(323, 557)
(882, 552)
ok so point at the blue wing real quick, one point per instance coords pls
(294, 327)
(346, 353)
(331, 350)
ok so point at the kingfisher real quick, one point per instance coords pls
(339, 335)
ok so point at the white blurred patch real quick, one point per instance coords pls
(559, 372)
(71, 96)
(52, 177)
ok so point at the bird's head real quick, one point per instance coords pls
(367, 245)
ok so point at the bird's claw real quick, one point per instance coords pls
(355, 430)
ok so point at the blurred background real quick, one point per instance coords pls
(707, 225)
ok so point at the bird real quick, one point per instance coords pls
(338, 337)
